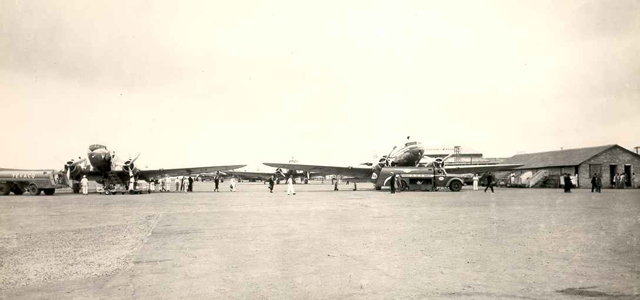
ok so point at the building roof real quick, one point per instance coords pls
(561, 158)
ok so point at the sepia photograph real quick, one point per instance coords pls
(320, 149)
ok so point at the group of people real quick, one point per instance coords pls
(620, 180)
(184, 184)
(596, 183)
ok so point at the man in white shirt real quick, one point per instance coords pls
(475, 182)
(85, 185)
(290, 186)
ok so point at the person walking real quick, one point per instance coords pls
(594, 183)
(216, 180)
(271, 183)
(392, 183)
(85, 185)
(489, 182)
(233, 184)
(335, 185)
(290, 186)
(567, 183)
(475, 182)
(190, 184)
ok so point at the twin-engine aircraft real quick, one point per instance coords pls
(406, 160)
(104, 171)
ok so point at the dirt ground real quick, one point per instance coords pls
(320, 244)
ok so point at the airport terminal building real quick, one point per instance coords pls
(544, 169)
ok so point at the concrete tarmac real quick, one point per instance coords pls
(320, 244)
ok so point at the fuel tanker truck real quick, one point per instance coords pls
(33, 181)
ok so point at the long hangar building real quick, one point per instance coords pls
(606, 160)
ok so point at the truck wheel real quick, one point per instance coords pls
(33, 190)
(455, 186)
(49, 192)
(18, 191)
(4, 189)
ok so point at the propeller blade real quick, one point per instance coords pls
(69, 178)
(134, 160)
(448, 156)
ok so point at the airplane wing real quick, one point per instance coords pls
(479, 168)
(355, 171)
(250, 175)
(145, 174)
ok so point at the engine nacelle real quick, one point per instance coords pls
(72, 169)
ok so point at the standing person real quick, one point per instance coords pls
(623, 180)
(271, 184)
(616, 181)
(335, 185)
(233, 184)
(475, 182)
(185, 184)
(392, 183)
(190, 184)
(567, 183)
(216, 180)
(399, 183)
(634, 184)
(152, 186)
(599, 183)
(177, 184)
(290, 186)
(489, 182)
(85, 185)
(594, 183)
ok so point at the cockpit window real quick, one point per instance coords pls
(95, 147)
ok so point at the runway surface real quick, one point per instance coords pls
(320, 244)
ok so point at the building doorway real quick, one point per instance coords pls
(612, 173)
(595, 169)
(627, 175)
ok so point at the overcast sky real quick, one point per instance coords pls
(194, 83)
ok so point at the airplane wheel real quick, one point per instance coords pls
(403, 185)
(49, 192)
(306, 181)
(33, 190)
(106, 192)
(4, 189)
(455, 186)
